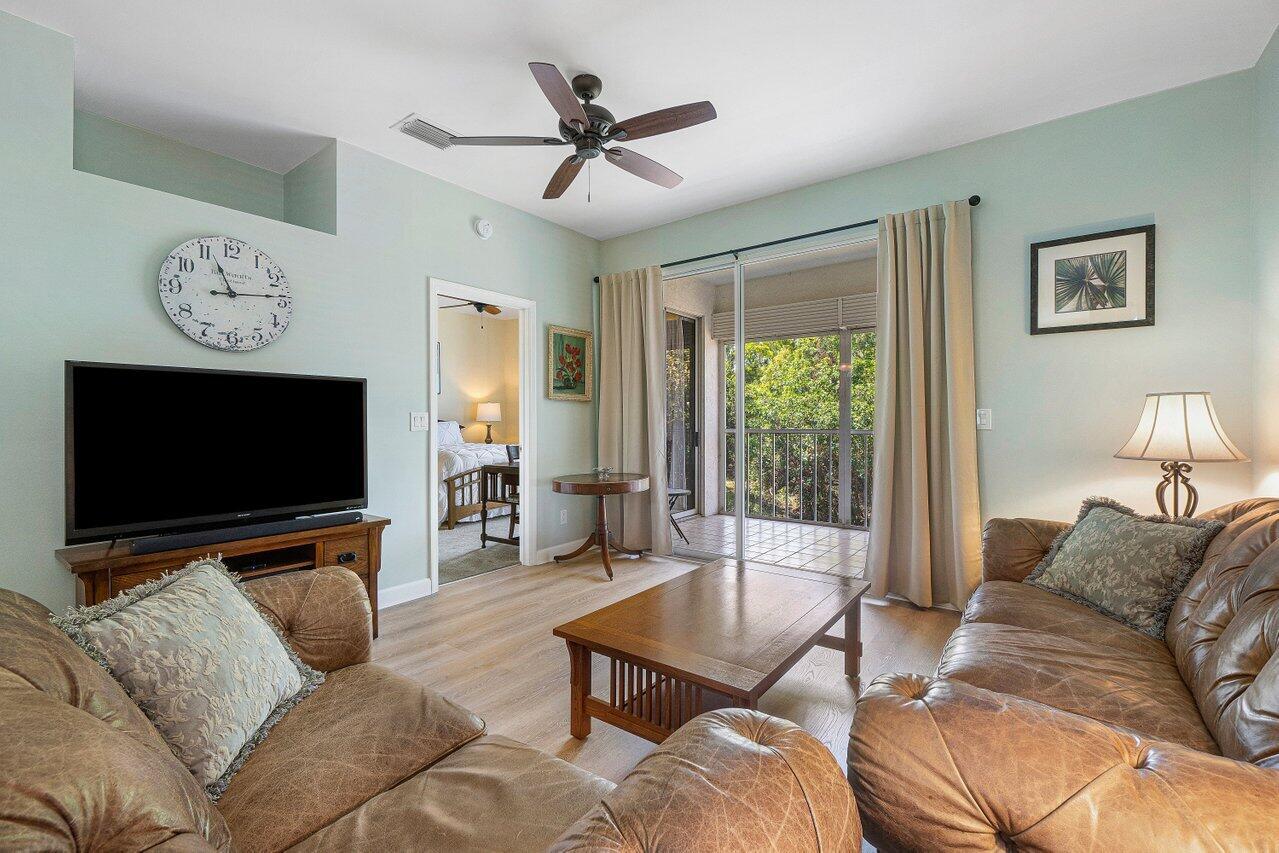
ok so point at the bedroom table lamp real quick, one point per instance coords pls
(1176, 429)
(488, 414)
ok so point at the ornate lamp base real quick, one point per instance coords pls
(1176, 474)
(488, 433)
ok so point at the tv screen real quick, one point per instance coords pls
(165, 449)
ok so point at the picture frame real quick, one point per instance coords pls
(1095, 281)
(570, 363)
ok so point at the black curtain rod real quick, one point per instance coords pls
(973, 200)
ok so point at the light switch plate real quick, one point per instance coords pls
(419, 421)
(983, 419)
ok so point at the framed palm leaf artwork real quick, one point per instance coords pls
(1095, 281)
(570, 368)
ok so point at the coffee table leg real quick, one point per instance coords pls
(579, 663)
(853, 641)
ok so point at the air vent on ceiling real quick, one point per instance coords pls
(423, 131)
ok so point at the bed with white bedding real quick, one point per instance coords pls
(459, 457)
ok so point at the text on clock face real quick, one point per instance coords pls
(225, 294)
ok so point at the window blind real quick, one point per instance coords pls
(800, 319)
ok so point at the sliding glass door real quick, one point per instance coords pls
(682, 413)
(784, 459)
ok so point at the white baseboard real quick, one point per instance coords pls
(401, 593)
(545, 555)
(393, 595)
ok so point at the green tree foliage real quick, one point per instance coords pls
(793, 383)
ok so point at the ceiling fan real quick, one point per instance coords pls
(480, 307)
(588, 127)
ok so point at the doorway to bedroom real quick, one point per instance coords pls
(477, 381)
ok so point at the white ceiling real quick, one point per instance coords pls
(806, 90)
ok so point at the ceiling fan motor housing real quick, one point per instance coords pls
(590, 142)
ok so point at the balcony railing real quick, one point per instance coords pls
(802, 475)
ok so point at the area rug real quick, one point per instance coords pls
(462, 557)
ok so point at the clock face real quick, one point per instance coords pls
(225, 294)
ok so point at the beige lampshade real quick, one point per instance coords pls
(1181, 426)
(488, 413)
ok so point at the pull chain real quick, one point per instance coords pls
(588, 181)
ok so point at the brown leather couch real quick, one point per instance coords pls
(375, 761)
(1050, 727)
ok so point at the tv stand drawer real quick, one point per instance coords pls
(349, 553)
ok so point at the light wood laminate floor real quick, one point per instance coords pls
(486, 643)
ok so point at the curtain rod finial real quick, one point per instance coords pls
(974, 200)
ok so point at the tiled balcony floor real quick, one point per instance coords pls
(783, 543)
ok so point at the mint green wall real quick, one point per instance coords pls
(1064, 403)
(311, 191)
(109, 148)
(1265, 224)
(80, 259)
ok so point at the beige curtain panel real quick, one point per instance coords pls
(632, 419)
(925, 529)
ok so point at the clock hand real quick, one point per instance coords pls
(238, 295)
(230, 292)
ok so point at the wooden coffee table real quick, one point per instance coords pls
(716, 637)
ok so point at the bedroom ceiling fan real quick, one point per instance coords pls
(480, 307)
(588, 127)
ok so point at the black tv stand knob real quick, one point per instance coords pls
(346, 557)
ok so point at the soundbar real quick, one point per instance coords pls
(177, 541)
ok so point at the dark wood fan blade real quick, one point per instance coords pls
(642, 167)
(506, 140)
(559, 93)
(664, 121)
(563, 176)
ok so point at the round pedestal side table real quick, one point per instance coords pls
(600, 488)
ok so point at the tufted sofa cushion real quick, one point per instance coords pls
(324, 615)
(1224, 631)
(694, 791)
(81, 768)
(364, 730)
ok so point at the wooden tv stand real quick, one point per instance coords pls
(103, 569)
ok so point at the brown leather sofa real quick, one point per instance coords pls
(1050, 727)
(375, 761)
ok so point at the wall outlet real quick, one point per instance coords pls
(983, 419)
(563, 516)
(419, 421)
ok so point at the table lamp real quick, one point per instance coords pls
(488, 414)
(1176, 429)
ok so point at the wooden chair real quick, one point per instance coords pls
(500, 485)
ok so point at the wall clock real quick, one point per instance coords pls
(225, 294)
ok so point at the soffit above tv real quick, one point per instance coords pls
(802, 98)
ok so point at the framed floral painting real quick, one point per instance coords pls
(1095, 281)
(570, 363)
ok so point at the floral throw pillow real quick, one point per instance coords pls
(209, 671)
(1126, 566)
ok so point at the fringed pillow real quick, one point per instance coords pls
(206, 667)
(1124, 565)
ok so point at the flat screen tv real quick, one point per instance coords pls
(154, 450)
